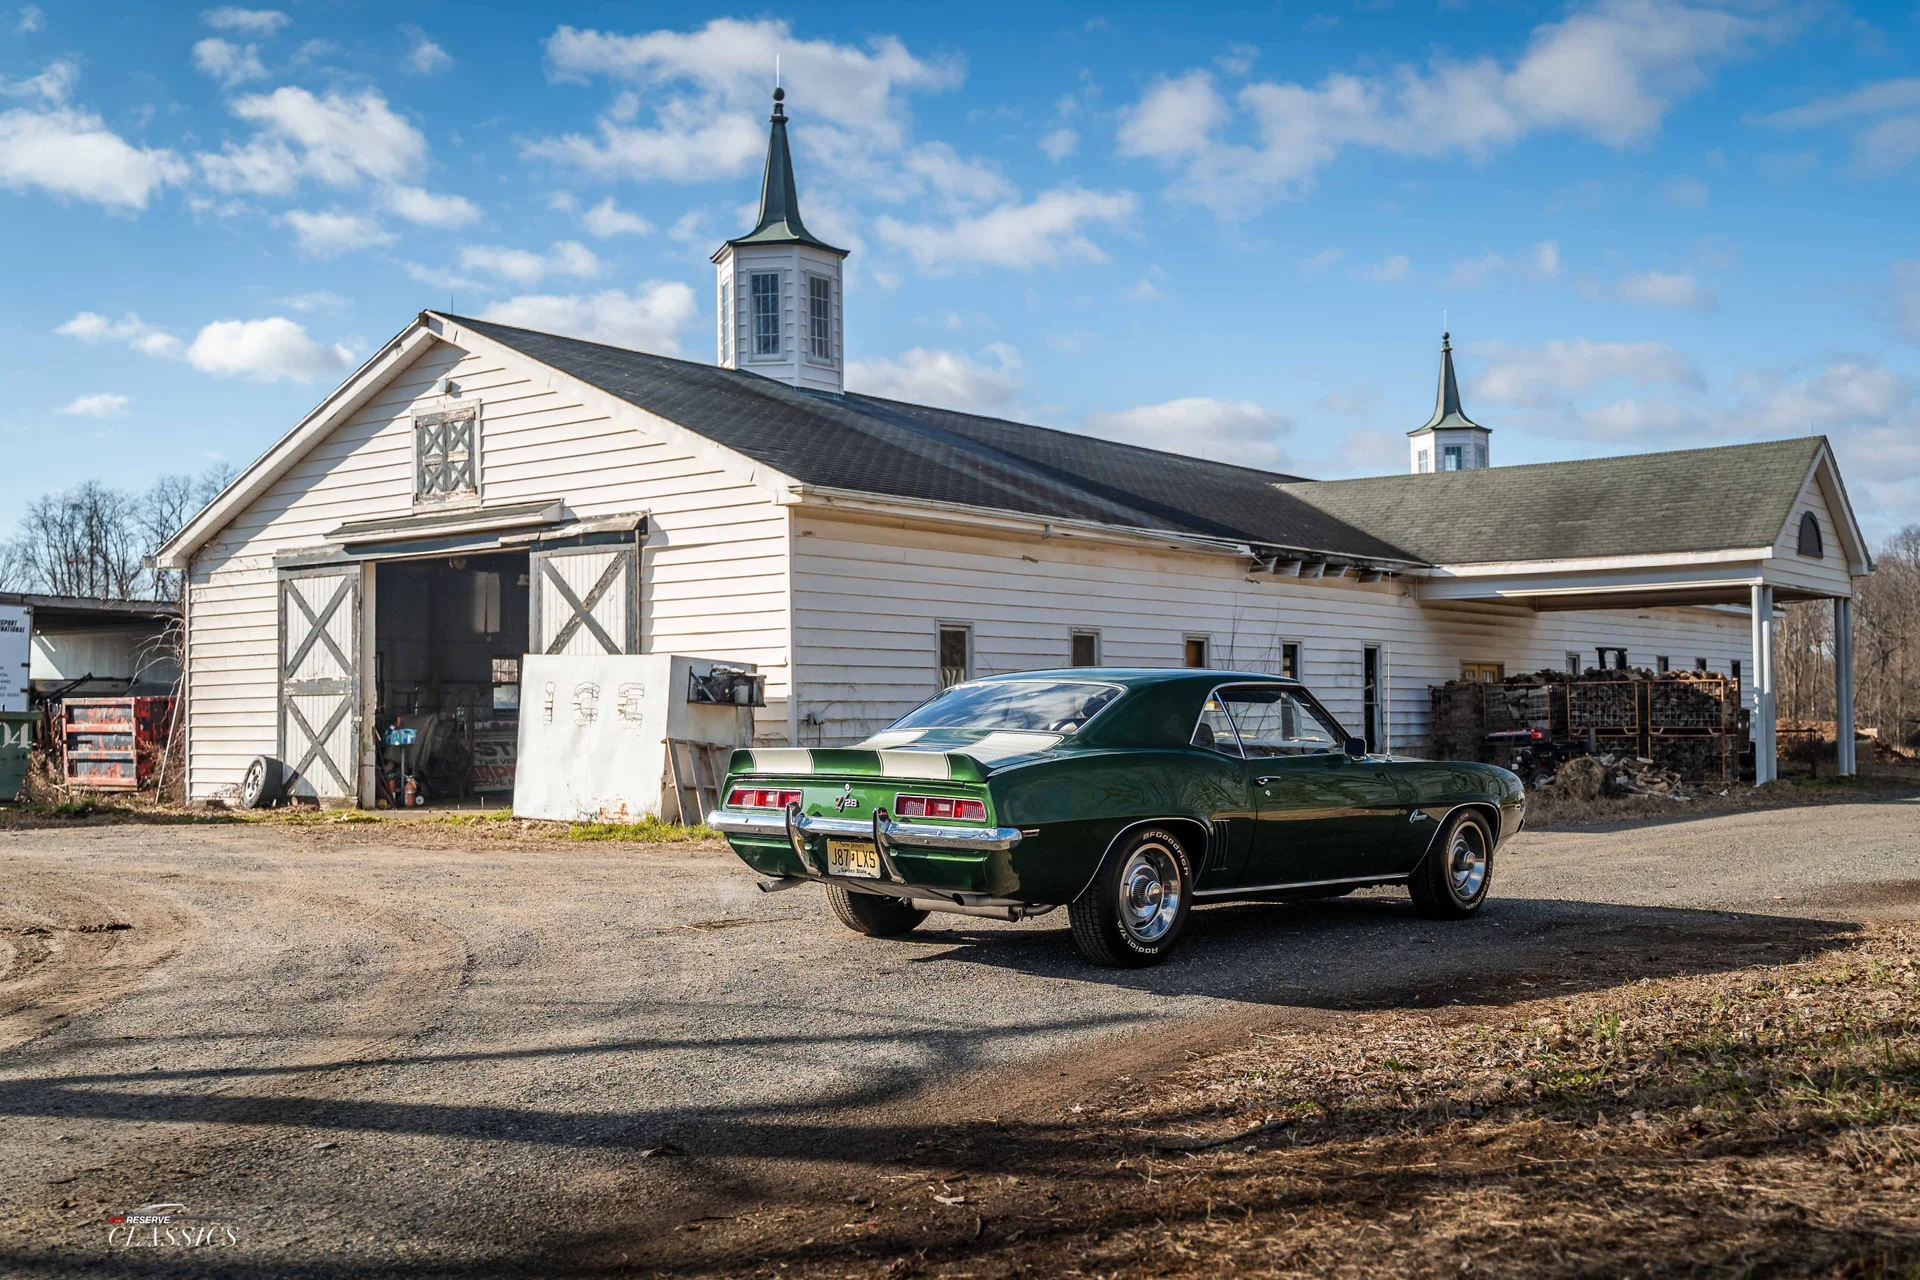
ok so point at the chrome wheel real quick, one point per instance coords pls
(1467, 862)
(1150, 893)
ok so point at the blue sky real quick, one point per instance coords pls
(1650, 224)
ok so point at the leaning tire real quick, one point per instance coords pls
(1134, 911)
(1451, 882)
(260, 785)
(873, 915)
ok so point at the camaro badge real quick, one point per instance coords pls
(846, 799)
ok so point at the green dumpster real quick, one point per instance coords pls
(16, 745)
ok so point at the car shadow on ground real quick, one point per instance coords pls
(1373, 952)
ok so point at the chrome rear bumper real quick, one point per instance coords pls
(910, 835)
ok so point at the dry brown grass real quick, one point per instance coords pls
(1547, 807)
(1758, 1121)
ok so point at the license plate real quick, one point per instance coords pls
(853, 858)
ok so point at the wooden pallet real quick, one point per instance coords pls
(699, 769)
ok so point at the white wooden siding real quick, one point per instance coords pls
(869, 599)
(714, 581)
(1789, 570)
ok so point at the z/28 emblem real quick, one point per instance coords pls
(846, 799)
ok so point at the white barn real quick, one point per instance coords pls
(476, 491)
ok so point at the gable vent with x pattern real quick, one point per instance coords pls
(445, 453)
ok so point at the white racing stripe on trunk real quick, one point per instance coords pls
(782, 760)
(915, 764)
(893, 738)
(1006, 745)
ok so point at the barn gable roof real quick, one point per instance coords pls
(885, 447)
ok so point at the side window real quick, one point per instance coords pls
(1215, 730)
(766, 313)
(1274, 722)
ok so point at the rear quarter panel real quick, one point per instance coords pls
(1074, 803)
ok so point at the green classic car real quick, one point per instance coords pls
(1126, 795)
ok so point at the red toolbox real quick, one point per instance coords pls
(113, 744)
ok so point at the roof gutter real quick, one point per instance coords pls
(1047, 527)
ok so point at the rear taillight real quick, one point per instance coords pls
(939, 807)
(761, 798)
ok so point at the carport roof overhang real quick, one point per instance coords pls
(1626, 582)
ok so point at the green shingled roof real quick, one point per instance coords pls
(1731, 497)
(779, 196)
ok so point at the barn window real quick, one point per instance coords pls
(956, 644)
(1085, 649)
(1424, 463)
(1810, 544)
(1290, 659)
(444, 456)
(1450, 458)
(1196, 651)
(766, 313)
(820, 317)
(726, 322)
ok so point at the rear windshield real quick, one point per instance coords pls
(1051, 706)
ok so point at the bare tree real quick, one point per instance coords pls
(1886, 648)
(90, 541)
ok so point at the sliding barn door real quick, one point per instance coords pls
(320, 682)
(586, 600)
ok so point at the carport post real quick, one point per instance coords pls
(1766, 766)
(1843, 684)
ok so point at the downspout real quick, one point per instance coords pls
(793, 654)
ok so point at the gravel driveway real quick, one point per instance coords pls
(369, 1050)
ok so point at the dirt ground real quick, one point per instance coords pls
(415, 1048)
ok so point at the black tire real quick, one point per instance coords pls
(1122, 920)
(261, 785)
(872, 914)
(1451, 882)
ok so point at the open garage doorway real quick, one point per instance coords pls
(449, 634)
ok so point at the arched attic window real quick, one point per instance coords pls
(1810, 544)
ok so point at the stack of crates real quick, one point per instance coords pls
(114, 744)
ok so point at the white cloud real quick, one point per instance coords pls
(331, 232)
(104, 404)
(1237, 431)
(651, 318)
(1545, 264)
(1550, 375)
(253, 22)
(269, 350)
(1609, 72)
(318, 300)
(523, 267)
(1060, 143)
(31, 20)
(1475, 273)
(1322, 260)
(426, 57)
(92, 327)
(1903, 297)
(1389, 270)
(988, 382)
(1685, 192)
(1869, 99)
(946, 172)
(688, 146)
(229, 63)
(1887, 146)
(1668, 290)
(609, 219)
(53, 84)
(428, 209)
(73, 154)
(338, 140)
(1238, 60)
(1048, 230)
(1144, 290)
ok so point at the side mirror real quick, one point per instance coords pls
(1356, 747)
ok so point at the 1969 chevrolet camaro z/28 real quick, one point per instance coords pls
(1125, 795)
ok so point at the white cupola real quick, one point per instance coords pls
(779, 286)
(1451, 441)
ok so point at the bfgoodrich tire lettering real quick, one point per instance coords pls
(1135, 909)
(1451, 882)
(873, 915)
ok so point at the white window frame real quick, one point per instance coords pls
(726, 321)
(1299, 658)
(1455, 454)
(1424, 462)
(939, 670)
(1206, 639)
(813, 356)
(1576, 665)
(1075, 634)
(1383, 690)
(462, 497)
(779, 314)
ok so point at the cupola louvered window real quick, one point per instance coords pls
(766, 313)
(820, 317)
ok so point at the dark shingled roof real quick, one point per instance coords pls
(887, 448)
(1733, 496)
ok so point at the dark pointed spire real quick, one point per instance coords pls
(1446, 408)
(779, 196)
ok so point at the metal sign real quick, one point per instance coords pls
(16, 655)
